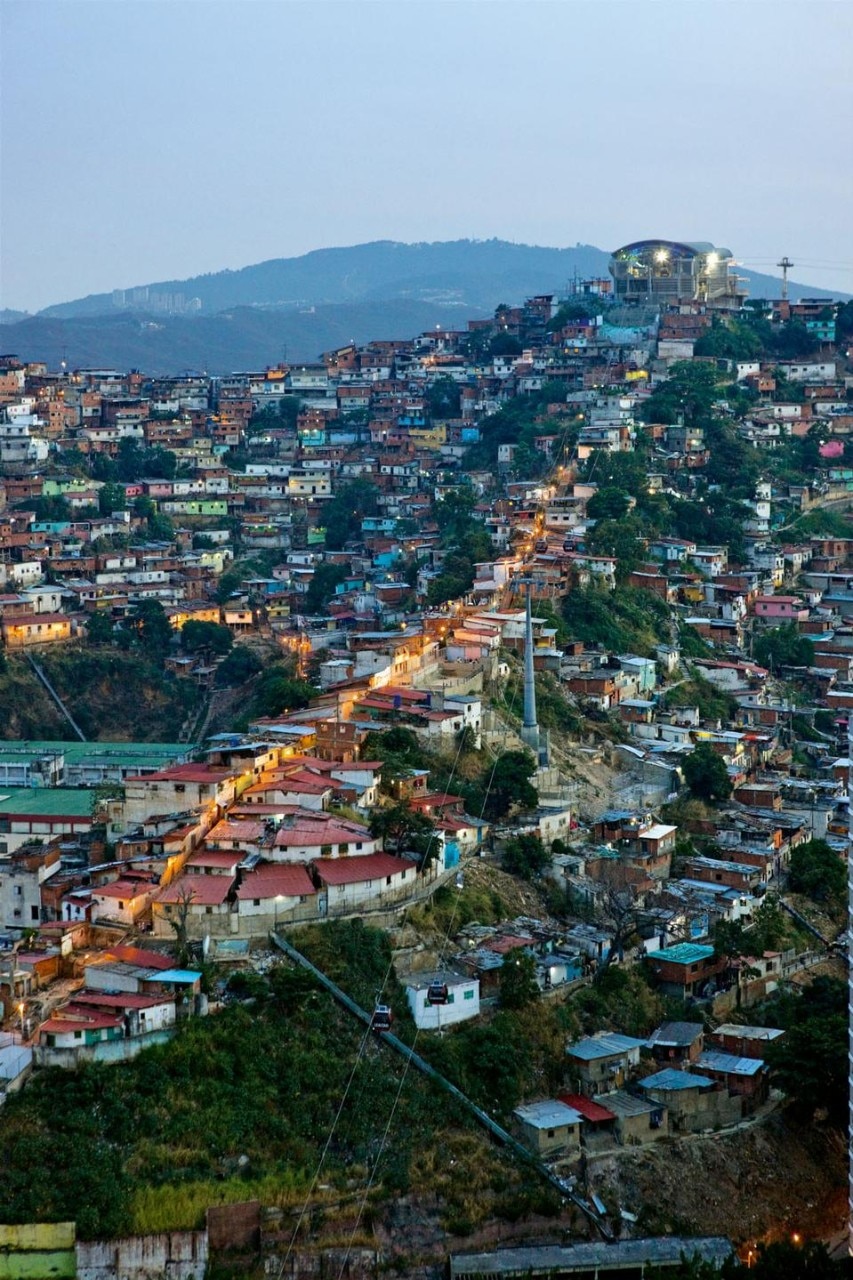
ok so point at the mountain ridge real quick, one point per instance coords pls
(294, 308)
(473, 270)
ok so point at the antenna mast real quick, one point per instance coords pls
(786, 264)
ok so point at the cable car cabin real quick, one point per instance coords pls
(382, 1018)
(437, 993)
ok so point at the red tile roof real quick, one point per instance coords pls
(274, 880)
(361, 868)
(204, 891)
(588, 1109)
(136, 955)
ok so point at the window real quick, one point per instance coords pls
(121, 906)
(387, 879)
(78, 1035)
(19, 892)
(468, 995)
(451, 998)
(34, 913)
(256, 902)
(208, 911)
(550, 1133)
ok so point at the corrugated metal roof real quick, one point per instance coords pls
(671, 1079)
(730, 1063)
(549, 1114)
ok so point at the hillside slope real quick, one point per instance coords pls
(113, 696)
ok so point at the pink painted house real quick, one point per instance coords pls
(781, 608)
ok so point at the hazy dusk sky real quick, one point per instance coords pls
(150, 139)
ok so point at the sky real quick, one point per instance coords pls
(153, 139)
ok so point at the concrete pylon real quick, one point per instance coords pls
(530, 735)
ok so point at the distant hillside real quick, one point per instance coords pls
(477, 274)
(245, 338)
(472, 273)
(298, 307)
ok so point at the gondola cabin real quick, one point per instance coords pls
(437, 993)
(382, 1018)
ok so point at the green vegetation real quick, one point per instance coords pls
(621, 999)
(406, 831)
(766, 933)
(344, 512)
(553, 709)
(143, 1143)
(113, 695)
(450, 909)
(502, 787)
(277, 690)
(781, 1260)
(467, 543)
(196, 636)
(817, 871)
(706, 775)
(519, 422)
(626, 620)
(783, 647)
(322, 586)
(239, 666)
(525, 856)
(713, 703)
(518, 985)
(810, 1062)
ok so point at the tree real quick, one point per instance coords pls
(111, 497)
(810, 1063)
(508, 785)
(608, 503)
(346, 510)
(442, 397)
(783, 647)
(99, 628)
(404, 830)
(197, 635)
(241, 664)
(229, 582)
(323, 582)
(817, 871)
(525, 856)
(620, 538)
(152, 628)
(279, 693)
(706, 775)
(518, 985)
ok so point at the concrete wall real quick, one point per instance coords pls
(180, 1255)
(38, 1249)
(103, 1051)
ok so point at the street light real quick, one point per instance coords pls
(279, 897)
(21, 1014)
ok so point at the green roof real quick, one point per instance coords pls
(71, 802)
(683, 953)
(76, 753)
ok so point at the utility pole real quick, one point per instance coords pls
(786, 264)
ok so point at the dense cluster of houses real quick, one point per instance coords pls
(629, 1091)
(271, 827)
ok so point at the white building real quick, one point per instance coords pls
(461, 1003)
